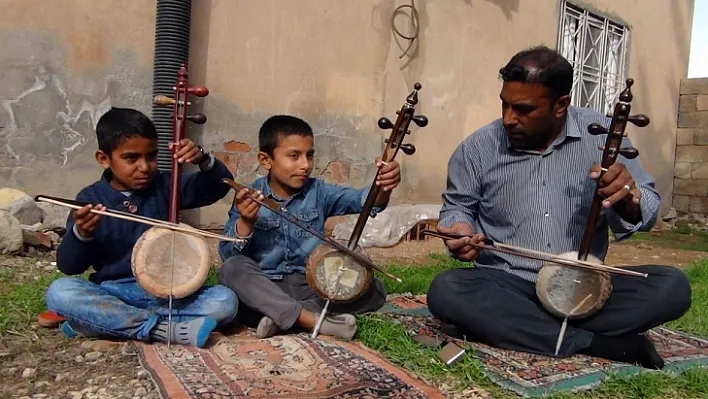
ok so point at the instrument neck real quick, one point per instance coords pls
(364, 215)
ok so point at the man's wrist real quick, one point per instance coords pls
(207, 159)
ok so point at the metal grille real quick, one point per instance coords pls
(597, 49)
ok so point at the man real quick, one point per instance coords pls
(528, 180)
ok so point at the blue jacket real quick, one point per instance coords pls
(281, 247)
(110, 249)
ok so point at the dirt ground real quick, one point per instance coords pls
(38, 363)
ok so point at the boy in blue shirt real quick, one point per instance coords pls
(111, 303)
(267, 272)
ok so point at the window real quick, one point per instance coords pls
(597, 49)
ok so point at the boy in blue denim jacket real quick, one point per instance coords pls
(267, 272)
(111, 303)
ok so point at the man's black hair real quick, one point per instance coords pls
(543, 66)
(122, 123)
(278, 126)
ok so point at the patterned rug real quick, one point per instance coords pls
(284, 366)
(533, 375)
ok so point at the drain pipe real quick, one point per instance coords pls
(172, 29)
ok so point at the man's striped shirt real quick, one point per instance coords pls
(537, 200)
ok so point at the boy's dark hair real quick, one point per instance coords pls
(540, 65)
(121, 123)
(279, 126)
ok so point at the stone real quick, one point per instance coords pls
(693, 119)
(699, 170)
(685, 136)
(36, 239)
(700, 136)
(690, 187)
(682, 170)
(687, 102)
(692, 153)
(93, 355)
(702, 102)
(11, 238)
(671, 215)
(29, 373)
(141, 391)
(694, 86)
(698, 205)
(20, 205)
(54, 217)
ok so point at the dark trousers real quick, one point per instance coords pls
(501, 310)
(283, 300)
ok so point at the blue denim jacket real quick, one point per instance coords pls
(281, 247)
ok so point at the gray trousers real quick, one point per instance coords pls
(502, 310)
(283, 300)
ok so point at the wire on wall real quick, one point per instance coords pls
(414, 18)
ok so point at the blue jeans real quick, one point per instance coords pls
(122, 309)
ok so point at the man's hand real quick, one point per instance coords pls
(86, 221)
(461, 248)
(389, 175)
(616, 185)
(187, 151)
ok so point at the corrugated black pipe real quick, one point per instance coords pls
(172, 29)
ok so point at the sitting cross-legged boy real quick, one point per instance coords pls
(111, 303)
(267, 272)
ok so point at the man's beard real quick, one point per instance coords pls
(537, 139)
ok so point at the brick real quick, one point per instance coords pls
(691, 187)
(692, 153)
(698, 205)
(237, 146)
(685, 136)
(693, 119)
(687, 103)
(700, 137)
(699, 170)
(682, 170)
(694, 86)
(702, 102)
(338, 171)
(682, 203)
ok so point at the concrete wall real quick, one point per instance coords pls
(336, 64)
(691, 169)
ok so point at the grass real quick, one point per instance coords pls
(22, 290)
(391, 340)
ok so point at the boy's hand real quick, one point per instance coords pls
(86, 221)
(247, 208)
(389, 175)
(187, 151)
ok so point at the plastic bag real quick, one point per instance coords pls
(389, 226)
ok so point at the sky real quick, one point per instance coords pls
(698, 59)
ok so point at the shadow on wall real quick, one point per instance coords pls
(508, 7)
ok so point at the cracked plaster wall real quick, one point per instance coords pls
(336, 64)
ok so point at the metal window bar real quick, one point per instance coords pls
(597, 49)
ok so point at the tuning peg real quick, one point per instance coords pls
(163, 100)
(199, 119)
(626, 95)
(597, 129)
(199, 91)
(420, 120)
(640, 120)
(629, 153)
(385, 123)
(409, 149)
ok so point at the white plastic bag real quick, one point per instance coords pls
(389, 226)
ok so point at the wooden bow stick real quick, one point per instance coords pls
(74, 204)
(531, 254)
